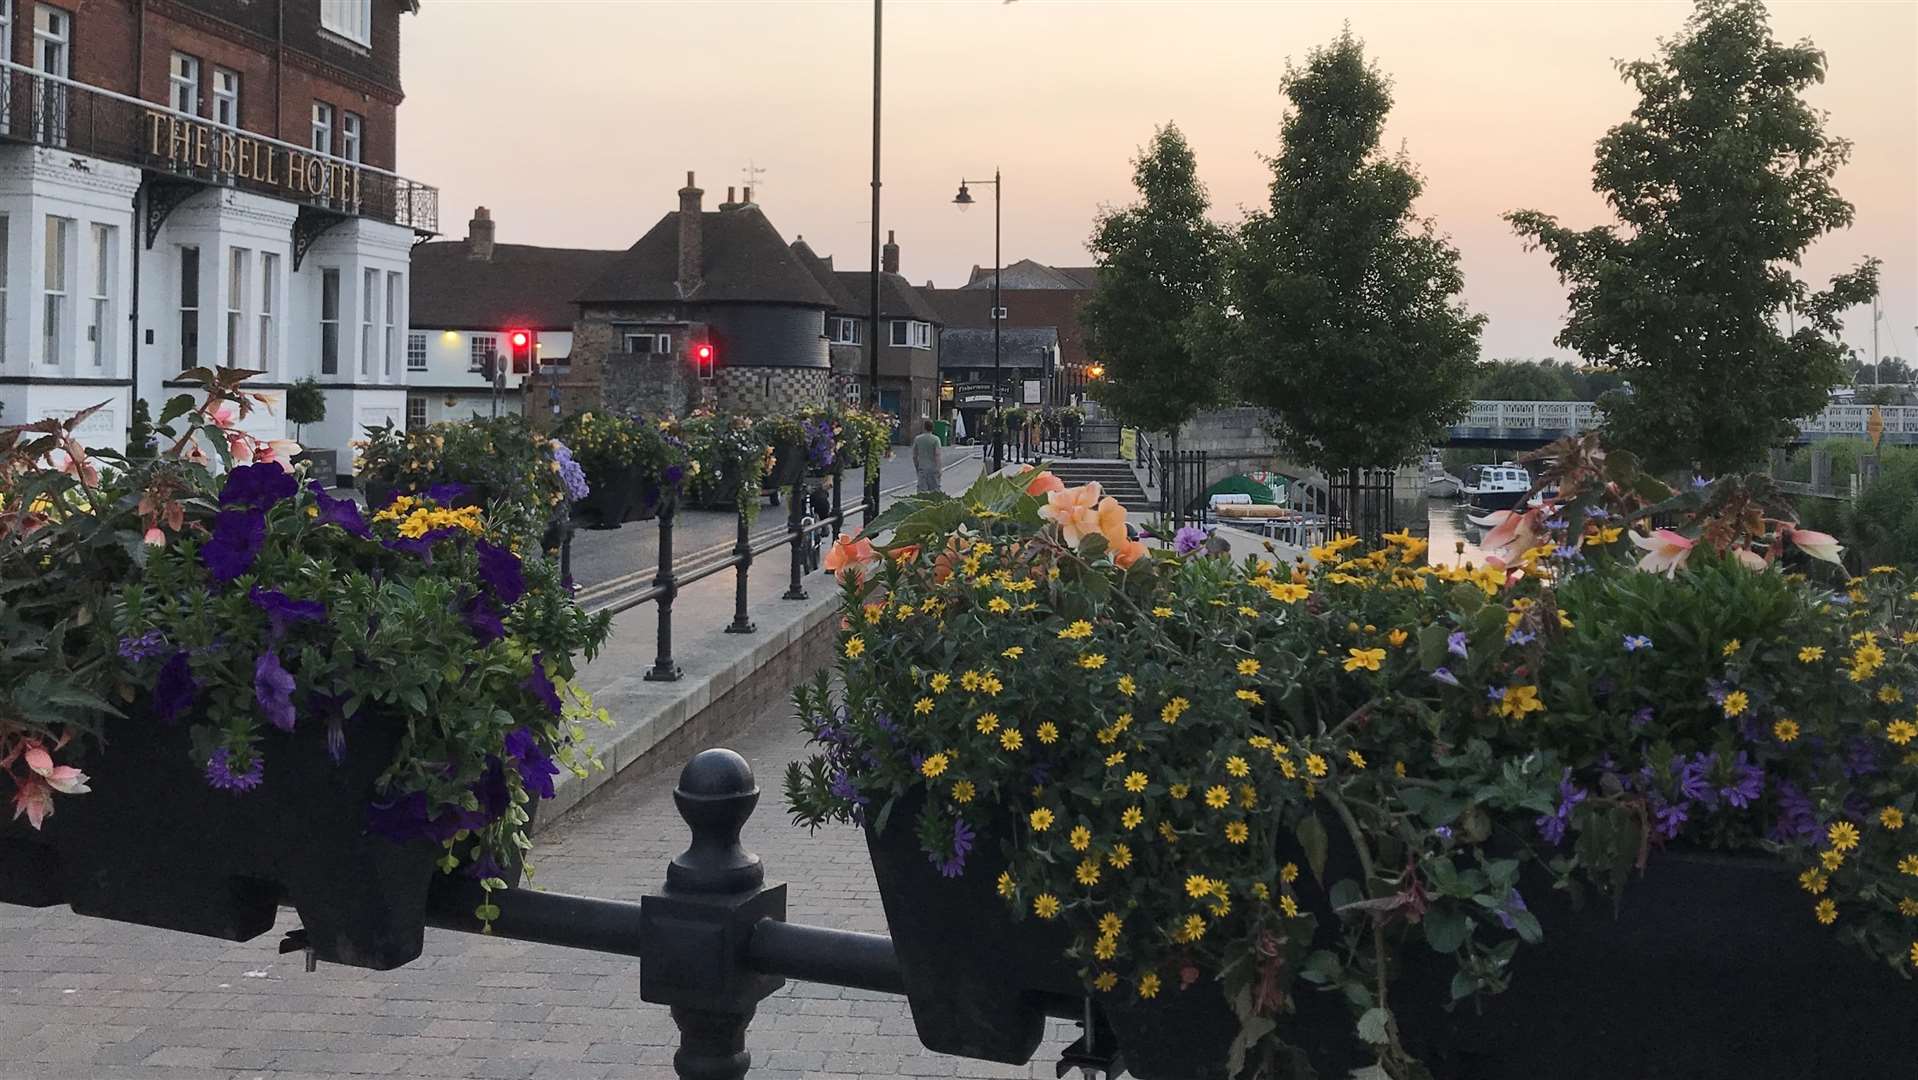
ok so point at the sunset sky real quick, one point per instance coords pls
(576, 120)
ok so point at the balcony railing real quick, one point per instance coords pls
(49, 110)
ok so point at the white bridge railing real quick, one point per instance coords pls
(1494, 418)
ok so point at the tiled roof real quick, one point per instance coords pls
(898, 298)
(1030, 274)
(520, 285)
(1049, 308)
(745, 261)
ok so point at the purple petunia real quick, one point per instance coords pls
(1642, 717)
(448, 493)
(1188, 540)
(541, 685)
(1445, 676)
(1796, 820)
(273, 689)
(536, 766)
(342, 512)
(257, 486)
(1455, 644)
(220, 774)
(501, 571)
(1513, 904)
(422, 545)
(673, 474)
(282, 610)
(483, 619)
(235, 543)
(174, 689)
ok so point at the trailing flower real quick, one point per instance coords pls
(1281, 776)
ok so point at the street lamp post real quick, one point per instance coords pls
(872, 319)
(963, 200)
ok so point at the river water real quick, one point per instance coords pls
(1453, 537)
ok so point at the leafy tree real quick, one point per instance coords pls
(1722, 179)
(1349, 325)
(1158, 264)
(1522, 380)
(305, 404)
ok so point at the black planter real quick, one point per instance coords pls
(981, 983)
(789, 463)
(29, 867)
(154, 844)
(606, 504)
(643, 505)
(321, 465)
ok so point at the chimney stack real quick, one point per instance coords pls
(691, 257)
(479, 235)
(731, 203)
(889, 255)
(746, 195)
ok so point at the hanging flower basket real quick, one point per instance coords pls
(606, 506)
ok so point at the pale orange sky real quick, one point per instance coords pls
(576, 120)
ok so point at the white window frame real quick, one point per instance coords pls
(105, 250)
(654, 343)
(369, 301)
(57, 283)
(352, 131)
(239, 263)
(330, 324)
(846, 331)
(53, 55)
(226, 96)
(481, 349)
(413, 400)
(190, 311)
(322, 127)
(392, 352)
(183, 83)
(350, 19)
(910, 334)
(416, 352)
(268, 344)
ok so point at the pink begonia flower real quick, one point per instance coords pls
(1074, 510)
(1816, 544)
(1510, 533)
(1665, 551)
(64, 779)
(221, 417)
(1749, 558)
(155, 537)
(851, 558)
(33, 798)
(278, 452)
(240, 445)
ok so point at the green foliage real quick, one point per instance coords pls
(503, 460)
(1721, 180)
(1882, 525)
(305, 402)
(1546, 380)
(140, 436)
(1350, 328)
(1158, 264)
(606, 443)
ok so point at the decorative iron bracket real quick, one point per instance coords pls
(163, 198)
(309, 227)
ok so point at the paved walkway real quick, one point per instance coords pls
(86, 999)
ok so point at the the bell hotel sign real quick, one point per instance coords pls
(184, 143)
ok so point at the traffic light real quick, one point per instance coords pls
(522, 343)
(703, 358)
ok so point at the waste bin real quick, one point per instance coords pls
(942, 429)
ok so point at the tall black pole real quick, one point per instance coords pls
(872, 322)
(998, 379)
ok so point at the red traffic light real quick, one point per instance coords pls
(519, 339)
(704, 352)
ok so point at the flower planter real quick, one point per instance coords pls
(981, 983)
(1712, 967)
(154, 844)
(789, 463)
(605, 506)
(29, 867)
(321, 465)
(643, 505)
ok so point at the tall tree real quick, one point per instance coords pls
(1722, 178)
(1350, 329)
(1158, 264)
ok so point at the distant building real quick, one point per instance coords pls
(468, 296)
(202, 183)
(1028, 362)
(721, 278)
(909, 343)
(1042, 340)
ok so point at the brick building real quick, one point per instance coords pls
(909, 338)
(1042, 340)
(203, 182)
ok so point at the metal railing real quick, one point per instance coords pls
(1526, 418)
(1042, 441)
(54, 111)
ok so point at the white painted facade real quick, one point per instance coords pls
(444, 379)
(216, 287)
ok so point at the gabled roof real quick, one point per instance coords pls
(1030, 274)
(1054, 308)
(898, 298)
(520, 286)
(821, 268)
(745, 261)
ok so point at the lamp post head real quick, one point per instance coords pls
(963, 200)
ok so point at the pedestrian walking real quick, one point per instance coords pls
(926, 450)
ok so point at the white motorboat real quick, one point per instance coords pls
(1497, 487)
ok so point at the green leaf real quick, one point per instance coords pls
(1344, 892)
(1374, 1026)
(1312, 837)
(1463, 986)
(1446, 928)
(177, 406)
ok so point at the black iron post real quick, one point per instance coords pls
(743, 550)
(872, 313)
(797, 591)
(998, 378)
(664, 670)
(696, 932)
(838, 501)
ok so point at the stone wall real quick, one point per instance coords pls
(648, 384)
(771, 389)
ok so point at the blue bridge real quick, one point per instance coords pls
(1535, 423)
